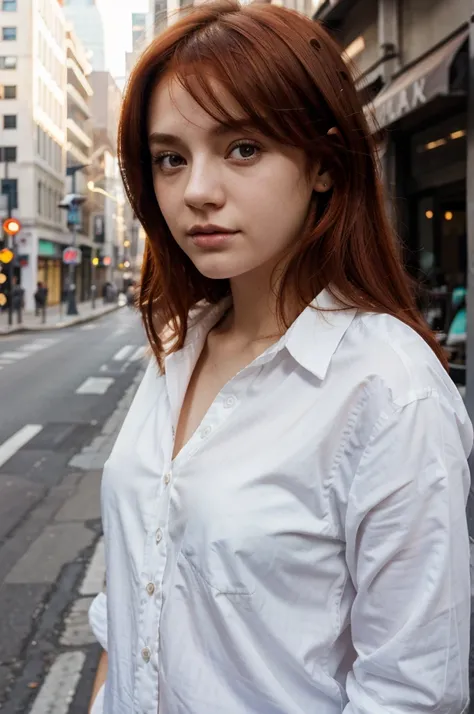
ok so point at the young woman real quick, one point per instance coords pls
(284, 506)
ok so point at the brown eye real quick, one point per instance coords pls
(244, 151)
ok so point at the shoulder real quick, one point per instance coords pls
(386, 351)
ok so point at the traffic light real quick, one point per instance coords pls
(6, 256)
(11, 226)
(3, 297)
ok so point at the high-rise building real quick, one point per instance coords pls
(107, 195)
(78, 153)
(139, 31)
(88, 24)
(33, 136)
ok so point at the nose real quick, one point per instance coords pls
(205, 186)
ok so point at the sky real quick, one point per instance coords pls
(117, 15)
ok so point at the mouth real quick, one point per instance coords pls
(210, 236)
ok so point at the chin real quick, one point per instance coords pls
(218, 267)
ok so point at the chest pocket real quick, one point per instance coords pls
(231, 566)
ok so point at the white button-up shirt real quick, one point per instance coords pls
(307, 550)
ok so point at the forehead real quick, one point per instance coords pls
(174, 107)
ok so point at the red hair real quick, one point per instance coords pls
(288, 76)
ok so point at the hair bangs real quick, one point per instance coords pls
(221, 63)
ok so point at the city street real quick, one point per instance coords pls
(63, 395)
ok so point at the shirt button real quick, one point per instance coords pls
(230, 402)
(150, 588)
(146, 654)
(167, 478)
(159, 535)
(205, 432)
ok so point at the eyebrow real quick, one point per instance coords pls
(220, 129)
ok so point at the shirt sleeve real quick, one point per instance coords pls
(408, 556)
(98, 619)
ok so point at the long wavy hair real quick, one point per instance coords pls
(290, 80)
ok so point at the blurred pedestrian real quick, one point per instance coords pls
(41, 297)
(284, 506)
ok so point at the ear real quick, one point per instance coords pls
(323, 181)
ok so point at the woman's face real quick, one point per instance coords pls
(233, 199)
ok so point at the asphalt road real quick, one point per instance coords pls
(57, 391)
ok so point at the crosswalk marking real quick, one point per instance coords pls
(21, 353)
(60, 685)
(15, 442)
(123, 353)
(95, 385)
(138, 354)
(13, 355)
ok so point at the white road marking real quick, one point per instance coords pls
(15, 442)
(123, 353)
(95, 385)
(89, 327)
(59, 687)
(139, 354)
(104, 368)
(93, 582)
(5, 362)
(13, 355)
(39, 344)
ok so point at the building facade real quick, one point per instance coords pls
(88, 24)
(78, 152)
(105, 187)
(412, 67)
(33, 128)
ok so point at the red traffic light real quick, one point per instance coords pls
(11, 226)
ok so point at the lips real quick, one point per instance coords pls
(210, 236)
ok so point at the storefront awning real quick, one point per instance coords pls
(419, 84)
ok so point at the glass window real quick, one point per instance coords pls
(9, 91)
(9, 5)
(10, 186)
(8, 153)
(8, 62)
(9, 121)
(40, 203)
(8, 33)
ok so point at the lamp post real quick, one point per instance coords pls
(72, 203)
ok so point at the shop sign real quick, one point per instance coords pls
(405, 101)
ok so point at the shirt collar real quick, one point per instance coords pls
(315, 335)
(311, 340)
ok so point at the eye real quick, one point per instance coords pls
(245, 151)
(167, 161)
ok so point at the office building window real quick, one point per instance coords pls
(9, 5)
(9, 121)
(8, 33)
(8, 62)
(8, 153)
(7, 91)
(10, 186)
(39, 206)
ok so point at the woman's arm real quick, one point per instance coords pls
(100, 678)
(408, 556)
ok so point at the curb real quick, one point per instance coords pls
(59, 325)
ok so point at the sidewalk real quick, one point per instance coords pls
(56, 318)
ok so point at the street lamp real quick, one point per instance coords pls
(71, 203)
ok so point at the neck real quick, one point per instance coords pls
(255, 309)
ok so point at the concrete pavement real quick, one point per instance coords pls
(56, 317)
(75, 387)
